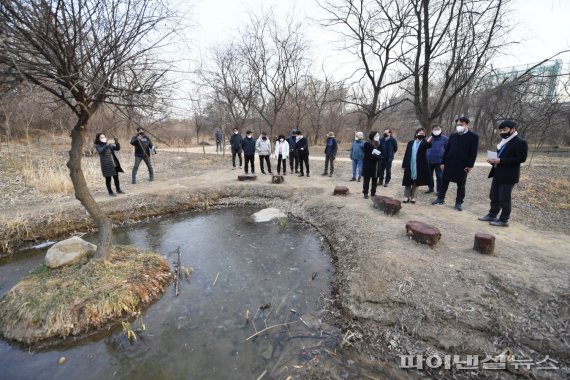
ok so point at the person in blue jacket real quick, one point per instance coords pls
(331, 148)
(435, 157)
(389, 147)
(248, 147)
(357, 155)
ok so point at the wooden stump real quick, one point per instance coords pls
(277, 179)
(484, 243)
(247, 177)
(423, 233)
(340, 190)
(389, 205)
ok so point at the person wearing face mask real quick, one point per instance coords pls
(435, 157)
(293, 156)
(415, 165)
(263, 149)
(331, 148)
(281, 153)
(110, 166)
(235, 143)
(302, 148)
(389, 147)
(458, 160)
(511, 153)
(372, 156)
(357, 155)
(248, 147)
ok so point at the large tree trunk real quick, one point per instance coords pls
(82, 192)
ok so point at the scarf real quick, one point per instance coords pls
(505, 141)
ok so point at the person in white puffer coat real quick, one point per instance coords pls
(281, 154)
(263, 149)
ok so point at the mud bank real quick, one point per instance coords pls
(395, 296)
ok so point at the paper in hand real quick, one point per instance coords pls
(376, 152)
(491, 155)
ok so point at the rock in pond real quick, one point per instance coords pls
(69, 251)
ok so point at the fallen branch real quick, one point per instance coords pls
(286, 324)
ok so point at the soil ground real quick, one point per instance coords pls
(397, 296)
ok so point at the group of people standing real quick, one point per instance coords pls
(110, 165)
(294, 149)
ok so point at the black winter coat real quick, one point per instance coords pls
(507, 172)
(389, 148)
(110, 165)
(235, 141)
(302, 147)
(370, 164)
(422, 166)
(248, 146)
(460, 153)
(142, 146)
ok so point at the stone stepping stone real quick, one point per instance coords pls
(247, 177)
(277, 179)
(484, 243)
(423, 233)
(340, 190)
(390, 206)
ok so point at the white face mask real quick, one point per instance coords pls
(103, 140)
(281, 140)
(235, 132)
(298, 138)
(377, 137)
(436, 133)
(460, 129)
(248, 136)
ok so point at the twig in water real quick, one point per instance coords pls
(261, 376)
(216, 279)
(269, 328)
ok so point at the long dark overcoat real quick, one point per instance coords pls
(110, 165)
(460, 153)
(422, 166)
(507, 172)
(371, 162)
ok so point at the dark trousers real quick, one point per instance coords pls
(329, 159)
(249, 159)
(146, 160)
(219, 146)
(438, 172)
(385, 166)
(304, 158)
(500, 196)
(366, 185)
(281, 161)
(266, 158)
(460, 189)
(294, 161)
(235, 152)
(108, 183)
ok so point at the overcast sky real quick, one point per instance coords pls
(542, 25)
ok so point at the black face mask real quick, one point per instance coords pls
(264, 138)
(385, 135)
(421, 137)
(506, 135)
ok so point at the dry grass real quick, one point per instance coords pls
(72, 300)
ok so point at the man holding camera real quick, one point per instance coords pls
(143, 147)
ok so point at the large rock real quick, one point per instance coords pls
(423, 233)
(69, 251)
(389, 205)
(268, 214)
(484, 243)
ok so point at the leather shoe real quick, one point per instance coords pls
(429, 192)
(458, 207)
(437, 202)
(499, 223)
(487, 218)
(365, 196)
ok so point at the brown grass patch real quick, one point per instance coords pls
(72, 300)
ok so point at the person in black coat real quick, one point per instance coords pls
(235, 143)
(415, 165)
(372, 157)
(331, 148)
(512, 152)
(248, 147)
(458, 161)
(389, 147)
(302, 148)
(110, 166)
(143, 148)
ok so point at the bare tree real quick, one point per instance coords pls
(86, 53)
(375, 31)
(453, 41)
(275, 56)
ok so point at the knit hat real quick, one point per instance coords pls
(330, 134)
(508, 124)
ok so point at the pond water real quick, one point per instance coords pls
(238, 265)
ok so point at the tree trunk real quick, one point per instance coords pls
(82, 193)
